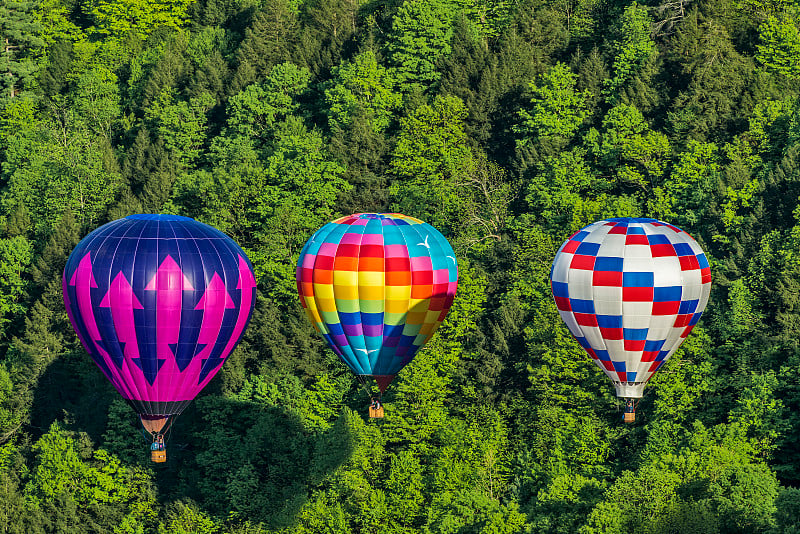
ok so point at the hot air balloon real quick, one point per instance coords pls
(158, 302)
(377, 286)
(630, 290)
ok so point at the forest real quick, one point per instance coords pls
(507, 125)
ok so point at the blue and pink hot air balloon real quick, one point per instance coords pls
(159, 302)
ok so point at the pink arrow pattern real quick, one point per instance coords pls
(246, 284)
(169, 283)
(83, 281)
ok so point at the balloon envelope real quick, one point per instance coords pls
(377, 286)
(630, 291)
(158, 302)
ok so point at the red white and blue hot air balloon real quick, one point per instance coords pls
(159, 302)
(630, 290)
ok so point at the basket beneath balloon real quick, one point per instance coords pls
(629, 417)
(158, 457)
(376, 413)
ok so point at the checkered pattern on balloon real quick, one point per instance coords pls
(377, 286)
(630, 290)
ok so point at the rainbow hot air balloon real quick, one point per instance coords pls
(377, 286)
(158, 302)
(630, 291)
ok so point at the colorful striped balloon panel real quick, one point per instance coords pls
(377, 286)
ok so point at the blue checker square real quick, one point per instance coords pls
(394, 330)
(661, 355)
(581, 306)
(702, 260)
(560, 289)
(583, 342)
(609, 321)
(606, 263)
(631, 376)
(695, 319)
(683, 249)
(619, 366)
(603, 355)
(336, 329)
(588, 249)
(635, 230)
(372, 319)
(634, 334)
(658, 239)
(350, 318)
(688, 306)
(638, 280)
(667, 294)
(652, 346)
(580, 236)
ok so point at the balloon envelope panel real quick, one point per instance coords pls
(377, 286)
(158, 302)
(630, 291)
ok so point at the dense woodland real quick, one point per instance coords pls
(508, 125)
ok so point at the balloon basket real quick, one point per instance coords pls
(629, 417)
(158, 457)
(376, 413)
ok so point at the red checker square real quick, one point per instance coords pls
(687, 330)
(372, 251)
(437, 303)
(398, 278)
(323, 262)
(421, 291)
(608, 364)
(586, 319)
(634, 344)
(655, 366)
(610, 224)
(619, 230)
(607, 278)
(397, 264)
(649, 356)
(345, 263)
(623, 376)
(705, 279)
(666, 308)
(636, 239)
(674, 228)
(347, 249)
(659, 251)
(656, 223)
(637, 294)
(590, 351)
(611, 333)
(562, 303)
(440, 288)
(422, 277)
(306, 274)
(323, 276)
(581, 261)
(682, 320)
(689, 263)
(571, 247)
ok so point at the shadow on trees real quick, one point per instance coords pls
(245, 459)
(233, 458)
(72, 390)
